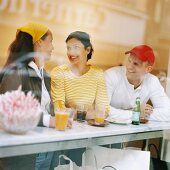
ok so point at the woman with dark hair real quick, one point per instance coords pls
(27, 54)
(78, 83)
(24, 66)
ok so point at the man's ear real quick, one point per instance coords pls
(149, 69)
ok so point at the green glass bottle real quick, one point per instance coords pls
(136, 112)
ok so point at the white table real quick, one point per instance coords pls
(43, 139)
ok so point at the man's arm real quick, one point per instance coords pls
(120, 113)
(160, 101)
(112, 81)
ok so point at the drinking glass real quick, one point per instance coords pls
(99, 114)
(61, 117)
(81, 112)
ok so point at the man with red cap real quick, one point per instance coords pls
(126, 83)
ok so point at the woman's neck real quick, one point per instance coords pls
(38, 62)
(79, 70)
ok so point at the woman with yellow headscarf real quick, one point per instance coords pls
(24, 66)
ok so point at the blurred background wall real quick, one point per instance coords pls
(114, 26)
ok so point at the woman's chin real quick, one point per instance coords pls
(73, 61)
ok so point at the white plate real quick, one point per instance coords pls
(119, 121)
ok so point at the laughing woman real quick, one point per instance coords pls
(78, 82)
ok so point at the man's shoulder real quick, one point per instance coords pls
(151, 79)
(150, 76)
(115, 70)
(115, 74)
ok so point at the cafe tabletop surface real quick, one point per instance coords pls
(81, 135)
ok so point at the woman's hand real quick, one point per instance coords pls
(70, 123)
(52, 122)
(90, 114)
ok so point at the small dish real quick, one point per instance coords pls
(143, 121)
(119, 121)
(93, 123)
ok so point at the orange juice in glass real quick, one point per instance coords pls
(99, 115)
(99, 120)
(61, 119)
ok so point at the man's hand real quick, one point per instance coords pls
(147, 111)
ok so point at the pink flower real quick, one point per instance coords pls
(19, 112)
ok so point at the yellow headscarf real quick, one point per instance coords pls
(36, 30)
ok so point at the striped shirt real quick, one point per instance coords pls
(88, 89)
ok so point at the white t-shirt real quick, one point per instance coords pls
(122, 95)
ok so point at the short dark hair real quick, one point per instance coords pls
(85, 40)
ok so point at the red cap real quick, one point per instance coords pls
(143, 53)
